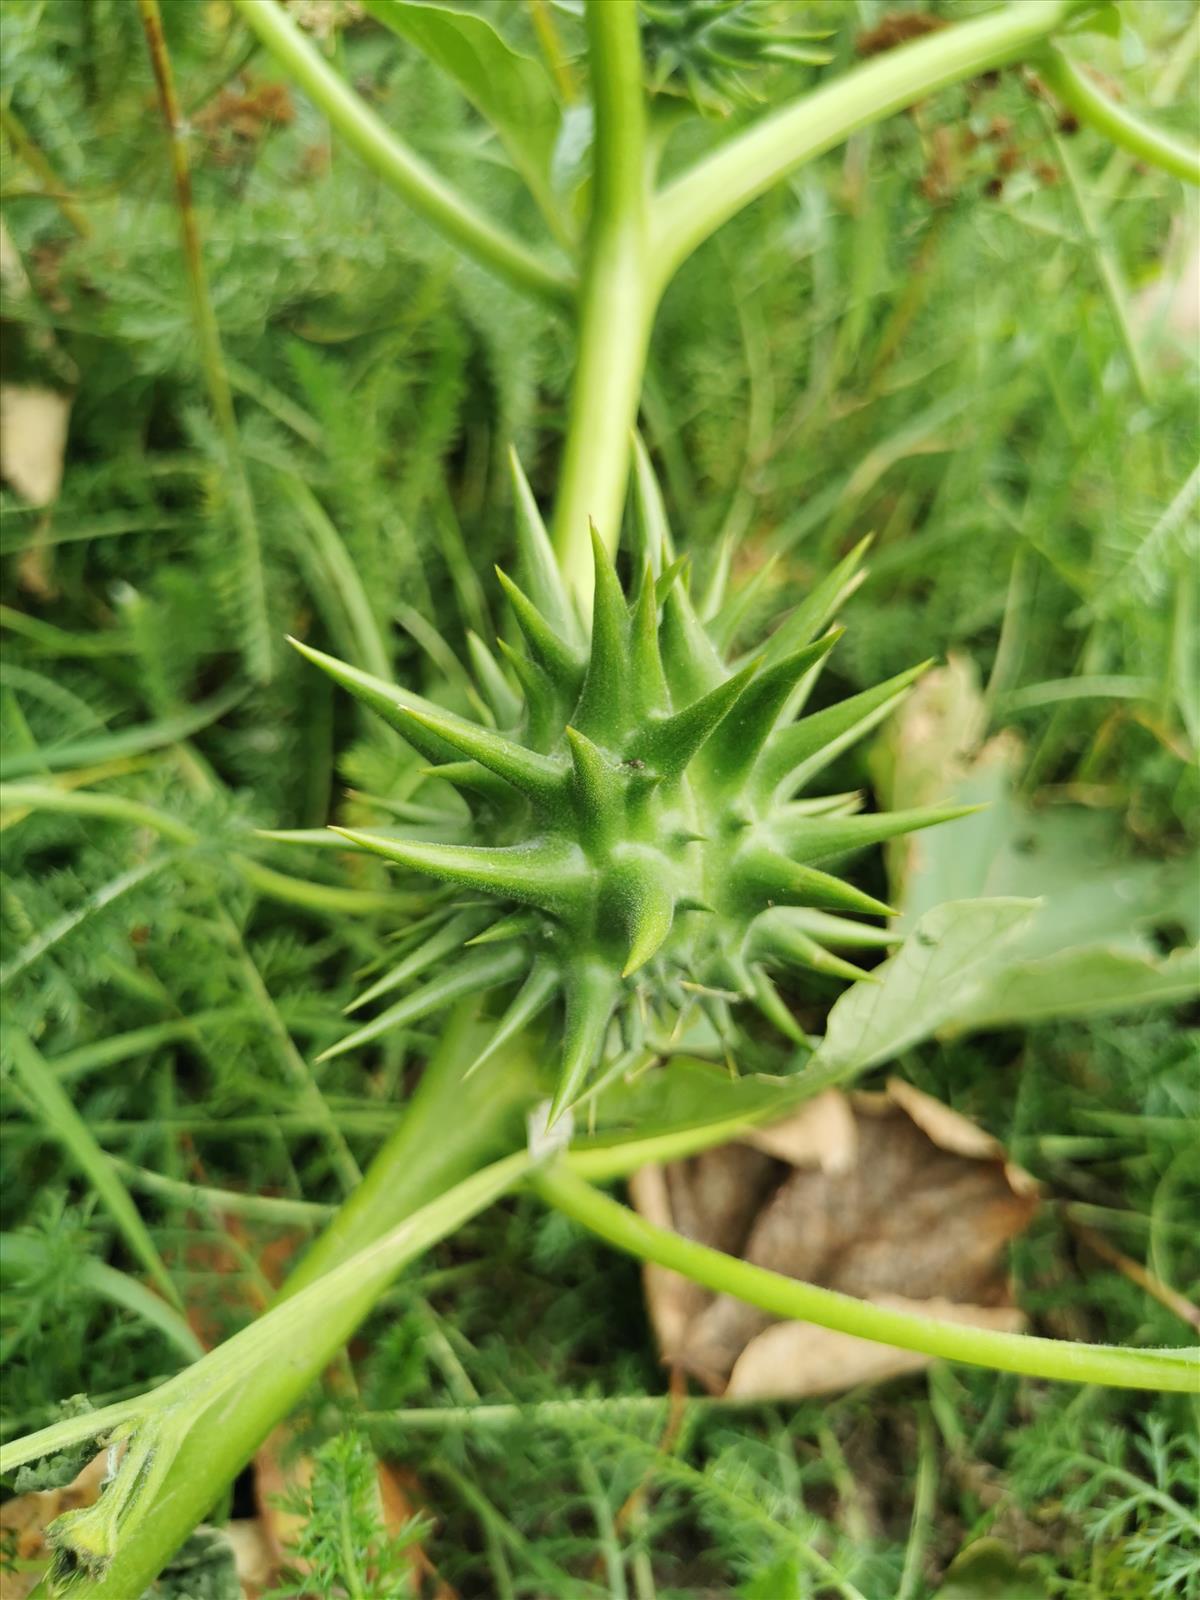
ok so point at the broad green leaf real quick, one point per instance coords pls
(942, 964)
(514, 92)
(1086, 981)
(1102, 16)
(689, 1094)
(1071, 857)
(1093, 945)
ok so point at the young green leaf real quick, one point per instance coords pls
(512, 90)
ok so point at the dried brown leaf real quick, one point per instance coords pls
(822, 1134)
(797, 1359)
(713, 1197)
(948, 1129)
(33, 439)
(252, 1555)
(885, 1197)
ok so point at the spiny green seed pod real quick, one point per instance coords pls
(637, 811)
(704, 49)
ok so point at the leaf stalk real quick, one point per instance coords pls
(1173, 1371)
(450, 212)
(1116, 122)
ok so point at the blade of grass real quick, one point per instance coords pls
(54, 641)
(87, 1058)
(212, 360)
(63, 1124)
(924, 1499)
(341, 576)
(22, 1253)
(295, 1069)
(265, 1208)
(1104, 259)
(125, 741)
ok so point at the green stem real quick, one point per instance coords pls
(696, 204)
(616, 304)
(30, 152)
(328, 899)
(64, 1435)
(241, 501)
(1118, 124)
(645, 1410)
(1107, 267)
(449, 1129)
(423, 188)
(1177, 1371)
(601, 1162)
(1163, 92)
(192, 1435)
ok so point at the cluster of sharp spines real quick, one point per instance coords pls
(639, 795)
(710, 46)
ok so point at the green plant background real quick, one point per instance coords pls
(884, 344)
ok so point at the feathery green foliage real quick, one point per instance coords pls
(344, 1548)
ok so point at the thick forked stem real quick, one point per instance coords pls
(616, 305)
(637, 242)
(451, 1128)
(196, 1433)
(695, 205)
